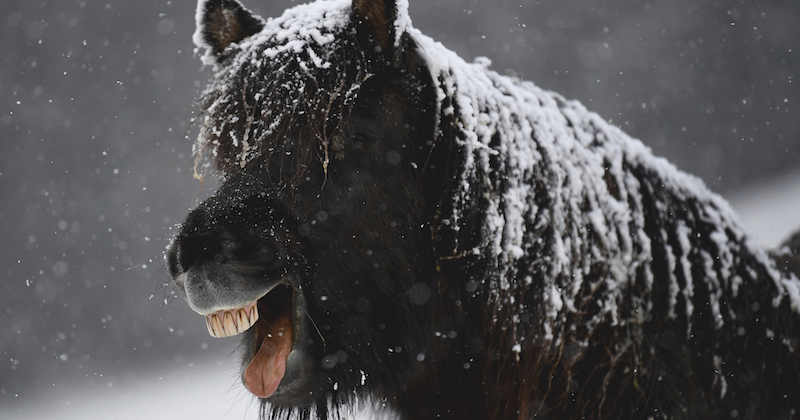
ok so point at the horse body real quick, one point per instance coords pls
(460, 244)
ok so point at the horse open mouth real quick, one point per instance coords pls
(272, 318)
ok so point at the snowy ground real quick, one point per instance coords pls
(770, 211)
(207, 391)
(204, 392)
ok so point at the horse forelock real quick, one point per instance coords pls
(286, 87)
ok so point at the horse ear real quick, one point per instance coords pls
(223, 22)
(376, 18)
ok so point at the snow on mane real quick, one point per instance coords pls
(561, 189)
(581, 148)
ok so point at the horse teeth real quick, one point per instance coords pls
(245, 320)
(242, 321)
(210, 326)
(230, 323)
(215, 326)
(216, 323)
(253, 315)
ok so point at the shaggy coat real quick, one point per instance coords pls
(458, 244)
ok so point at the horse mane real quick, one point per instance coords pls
(588, 235)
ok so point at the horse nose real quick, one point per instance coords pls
(186, 251)
(193, 243)
(200, 241)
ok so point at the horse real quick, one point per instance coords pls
(398, 224)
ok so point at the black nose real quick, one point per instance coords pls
(194, 242)
(200, 241)
(187, 250)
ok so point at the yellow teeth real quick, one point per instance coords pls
(228, 323)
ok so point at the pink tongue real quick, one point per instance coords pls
(264, 373)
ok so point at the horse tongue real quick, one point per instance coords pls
(264, 373)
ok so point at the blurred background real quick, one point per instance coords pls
(96, 165)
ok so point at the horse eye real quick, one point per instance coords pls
(361, 139)
(266, 255)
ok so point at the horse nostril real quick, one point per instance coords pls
(194, 249)
(172, 259)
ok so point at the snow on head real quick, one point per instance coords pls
(287, 64)
(402, 20)
(310, 25)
